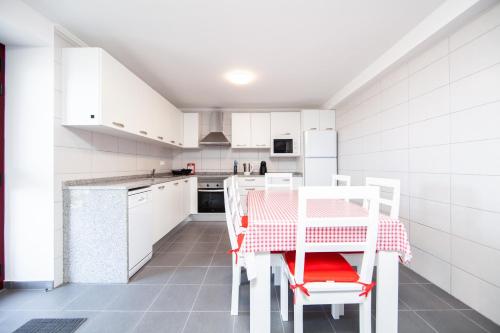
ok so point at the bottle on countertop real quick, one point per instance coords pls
(235, 167)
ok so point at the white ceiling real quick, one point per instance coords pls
(302, 51)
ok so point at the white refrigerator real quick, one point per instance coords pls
(320, 157)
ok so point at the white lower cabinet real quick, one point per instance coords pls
(140, 229)
(173, 201)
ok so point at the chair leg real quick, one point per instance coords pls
(365, 315)
(235, 292)
(341, 309)
(298, 317)
(284, 297)
(336, 311)
(277, 277)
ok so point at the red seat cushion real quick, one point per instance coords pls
(324, 266)
(240, 240)
(244, 221)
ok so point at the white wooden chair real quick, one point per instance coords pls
(278, 180)
(241, 213)
(394, 186)
(318, 274)
(236, 239)
(341, 180)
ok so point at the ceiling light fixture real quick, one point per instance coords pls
(240, 77)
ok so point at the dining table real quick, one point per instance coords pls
(272, 224)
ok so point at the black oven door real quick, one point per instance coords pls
(283, 146)
(211, 201)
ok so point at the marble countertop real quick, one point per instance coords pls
(141, 181)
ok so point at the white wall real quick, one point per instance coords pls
(220, 159)
(433, 122)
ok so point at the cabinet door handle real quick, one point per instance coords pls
(176, 184)
(249, 179)
(161, 187)
(186, 181)
(262, 145)
(160, 138)
(286, 134)
(172, 141)
(118, 124)
(251, 189)
(180, 143)
(329, 129)
(313, 128)
(143, 132)
(141, 199)
(241, 145)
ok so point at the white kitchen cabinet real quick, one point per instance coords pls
(161, 223)
(260, 128)
(140, 229)
(323, 120)
(240, 130)
(101, 94)
(193, 195)
(286, 125)
(191, 132)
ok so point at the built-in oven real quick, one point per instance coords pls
(284, 147)
(210, 195)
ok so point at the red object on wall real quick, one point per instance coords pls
(192, 166)
(2, 149)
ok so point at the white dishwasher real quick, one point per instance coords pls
(140, 229)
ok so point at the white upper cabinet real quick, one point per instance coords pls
(285, 125)
(260, 124)
(103, 95)
(240, 130)
(191, 130)
(251, 130)
(323, 120)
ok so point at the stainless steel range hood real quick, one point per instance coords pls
(215, 137)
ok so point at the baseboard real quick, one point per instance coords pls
(201, 217)
(42, 285)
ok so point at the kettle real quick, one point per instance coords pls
(263, 168)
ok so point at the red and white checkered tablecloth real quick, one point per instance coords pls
(272, 217)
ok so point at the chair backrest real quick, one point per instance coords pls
(341, 180)
(238, 195)
(232, 216)
(332, 196)
(394, 186)
(278, 180)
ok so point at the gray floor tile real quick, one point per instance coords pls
(348, 323)
(197, 259)
(212, 238)
(213, 298)
(135, 298)
(57, 298)
(242, 323)
(96, 297)
(112, 322)
(188, 237)
(178, 247)
(449, 322)
(204, 247)
(223, 247)
(419, 298)
(314, 322)
(204, 322)
(221, 259)
(153, 275)
(481, 320)
(189, 275)
(12, 320)
(244, 303)
(166, 259)
(219, 275)
(409, 322)
(443, 295)
(162, 322)
(15, 299)
(412, 275)
(176, 298)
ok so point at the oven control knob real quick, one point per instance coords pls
(217, 185)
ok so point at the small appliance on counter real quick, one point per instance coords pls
(192, 166)
(181, 172)
(247, 169)
(263, 168)
(235, 167)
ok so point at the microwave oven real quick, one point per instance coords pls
(284, 147)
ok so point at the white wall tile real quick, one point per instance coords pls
(430, 186)
(435, 131)
(431, 77)
(394, 117)
(476, 124)
(429, 56)
(480, 157)
(404, 207)
(431, 267)
(372, 143)
(476, 225)
(394, 95)
(478, 294)
(396, 138)
(126, 146)
(71, 137)
(394, 160)
(434, 159)
(103, 161)
(70, 160)
(394, 76)
(430, 213)
(431, 240)
(474, 191)
(104, 142)
(476, 89)
(483, 23)
(476, 55)
(433, 104)
(481, 260)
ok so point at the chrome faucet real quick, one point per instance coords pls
(153, 173)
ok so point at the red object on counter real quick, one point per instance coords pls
(192, 166)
